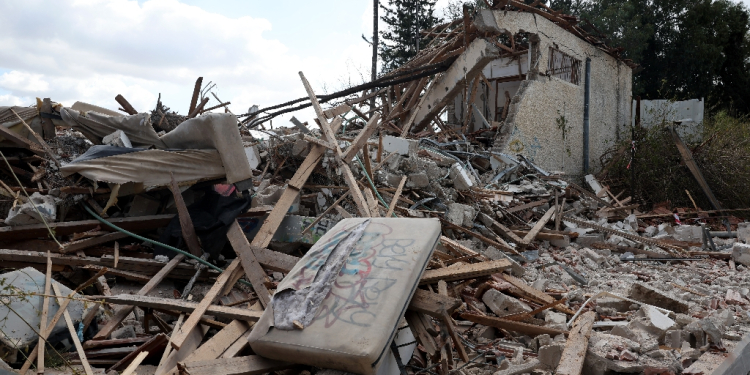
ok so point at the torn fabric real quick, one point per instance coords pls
(293, 303)
(148, 167)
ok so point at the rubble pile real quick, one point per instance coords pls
(161, 243)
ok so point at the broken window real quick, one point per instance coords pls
(564, 66)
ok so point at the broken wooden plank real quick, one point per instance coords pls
(538, 226)
(152, 346)
(253, 271)
(510, 325)
(196, 93)
(464, 271)
(362, 137)
(533, 294)
(480, 237)
(432, 304)
(338, 110)
(448, 321)
(182, 306)
(214, 347)
(248, 365)
(45, 310)
(94, 344)
(571, 362)
(188, 230)
(86, 243)
(130, 370)
(526, 206)
(194, 338)
(121, 314)
(133, 224)
(73, 333)
(179, 336)
(275, 260)
(125, 105)
(420, 332)
(48, 128)
(396, 195)
(141, 278)
(687, 158)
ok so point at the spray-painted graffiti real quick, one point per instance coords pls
(371, 269)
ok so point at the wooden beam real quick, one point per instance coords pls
(464, 271)
(86, 243)
(125, 105)
(186, 223)
(182, 306)
(510, 325)
(538, 226)
(275, 260)
(73, 333)
(571, 362)
(196, 92)
(416, 323)
(156, 343)
(253, 271)
(21, 141)
(249, 365)
(362, 137)
(130, 370)
(480, 237)
(121, 314)
(687, 158)
(169, 364)
(433, 304)
(179, 336)
(533, 294)
(448, 321)
(526, 206)
(133, 224)
(396, 195)
(43, 321)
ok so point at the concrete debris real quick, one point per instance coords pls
(482, 250)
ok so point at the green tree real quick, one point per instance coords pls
(402, 39)
(685, 48)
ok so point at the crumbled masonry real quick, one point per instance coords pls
(399, 242)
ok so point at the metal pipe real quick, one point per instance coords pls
(586, 101)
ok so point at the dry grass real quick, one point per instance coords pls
(723, 156)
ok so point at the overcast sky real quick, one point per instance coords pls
(92, 50)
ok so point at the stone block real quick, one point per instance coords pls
(646, 294)
(550, 355)
(741, 254)
(461, 214)
(502, 304)
(398, 145)
(462, 179)
(688, 233)
(418, 180)
(117, 139)
(26, 214)
(674, 338)
(743, 232)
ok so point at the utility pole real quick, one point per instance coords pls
(374, 74)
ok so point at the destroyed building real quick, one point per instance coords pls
(373, 239)
(563, 100)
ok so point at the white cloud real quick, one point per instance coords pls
(93, 50)
(21, 81)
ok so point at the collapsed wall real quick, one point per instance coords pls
(545, 119)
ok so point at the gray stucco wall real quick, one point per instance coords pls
(532, 128)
